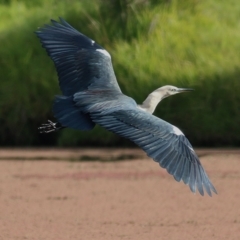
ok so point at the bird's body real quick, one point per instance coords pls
(91, 95)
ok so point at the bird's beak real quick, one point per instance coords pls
(185, 90)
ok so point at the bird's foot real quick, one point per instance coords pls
(50, 127)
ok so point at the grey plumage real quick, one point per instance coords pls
(91, 95)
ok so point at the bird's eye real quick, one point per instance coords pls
(173, 89)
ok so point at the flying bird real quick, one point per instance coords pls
(91, 95)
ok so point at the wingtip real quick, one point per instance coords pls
(215, 191)
(53, 21)
(62, 20)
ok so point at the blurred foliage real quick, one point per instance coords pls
(187, 43)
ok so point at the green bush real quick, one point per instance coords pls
(152, 43)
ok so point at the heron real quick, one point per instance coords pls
(91, 95)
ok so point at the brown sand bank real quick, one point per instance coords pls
(130, 199)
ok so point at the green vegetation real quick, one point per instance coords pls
(187, 43)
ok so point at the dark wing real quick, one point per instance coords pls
(80, 62)
(162, 141)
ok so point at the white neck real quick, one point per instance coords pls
(152, 100)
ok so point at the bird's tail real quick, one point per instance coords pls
(69, 115)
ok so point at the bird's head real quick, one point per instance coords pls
(169, 90)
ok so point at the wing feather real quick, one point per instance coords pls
(80, 62)
(158, 139)
(179, 170)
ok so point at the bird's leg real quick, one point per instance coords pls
(50, 127)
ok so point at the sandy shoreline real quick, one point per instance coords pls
(114, 199)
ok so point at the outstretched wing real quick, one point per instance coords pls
(162, 141)
(80, 62)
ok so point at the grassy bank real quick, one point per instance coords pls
(152, 43)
